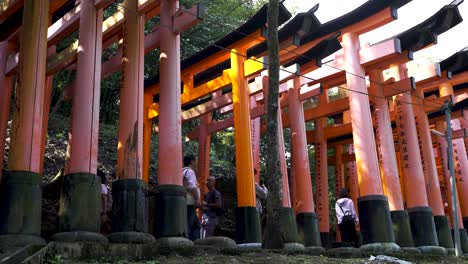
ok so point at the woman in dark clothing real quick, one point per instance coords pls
(347, 217)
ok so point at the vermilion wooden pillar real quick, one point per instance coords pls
(373, 205)
(461, 171)
(339, 180)
(430, 171)
(129, 214)
(6, 87)
(307, 220)
(255, 129)
(420, 214)
(442, 152)
(80, 207)
(21, 194)
(204, 143)
(321, 181)
(170, 199)
(246, 212)
(46, 109)
(388, 162)
(352, 181)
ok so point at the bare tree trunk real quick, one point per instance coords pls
(273, 239)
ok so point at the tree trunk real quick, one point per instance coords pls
(273, 239)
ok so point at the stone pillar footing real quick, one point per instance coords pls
(20, 240)
(443, 231)
(216, 241)
(247, 225)
(433, 250)
(380, 248)
(402, 229)
(80, 204)
(79, 236)
(288, 225)
(20, 204)
(171, 212)
(375, 220)
(174, 242)
(129, 212)
(410, 250)
(130, 237)
(308, 228)
(423, 227)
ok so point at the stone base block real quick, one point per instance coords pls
(423, 226)
(130, 238)
(20, 203)
(316, 251)
(250, 245)
(20, 240)
(308, 228)
(375, 221)
(443, 231)
(217, 242)
(402, 228)
(344, 252)
(174, 242)
(247, 225)
(293, 247)
(410, 250)
(79, 236)
(433, 250)
(171, 211)
(380, 248)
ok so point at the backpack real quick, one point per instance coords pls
(347, 217)
(218, 211)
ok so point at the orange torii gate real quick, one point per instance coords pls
(80, 209)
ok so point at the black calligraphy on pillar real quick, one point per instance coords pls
(402, 135)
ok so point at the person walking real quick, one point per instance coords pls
(347, 218)
(212, 208)
(193, 197)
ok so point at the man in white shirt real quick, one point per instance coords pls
(193, 197)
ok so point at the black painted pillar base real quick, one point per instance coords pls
(402, 228)
(325, 239)
(171, 211)
(463, 240)
(129, 212)
(465, 221)
(247, 225)
(374, 219)
(423, 226)
(20, 208)
(443, 231)
(288, 225)
(80, 209)
(308, 227)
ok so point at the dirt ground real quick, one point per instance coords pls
(264, 257)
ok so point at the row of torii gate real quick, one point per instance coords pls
(396, 171)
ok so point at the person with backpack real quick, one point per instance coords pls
(193, 197)
(212, 208)
(347, 218)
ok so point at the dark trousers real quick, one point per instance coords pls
(348, 232)
(193, 223)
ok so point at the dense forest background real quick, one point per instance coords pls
(221, 17)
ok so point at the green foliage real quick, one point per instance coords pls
(57, 259)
